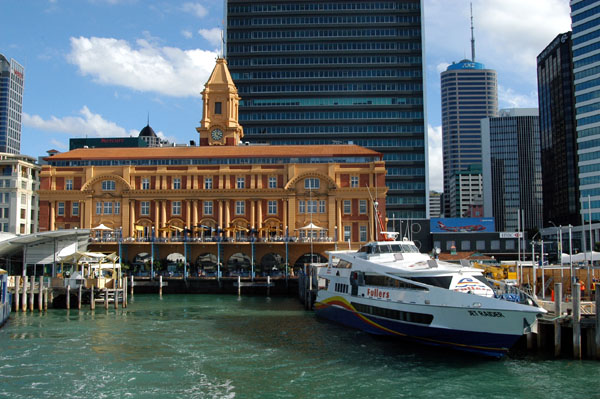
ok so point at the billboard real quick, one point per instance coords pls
(462, 225)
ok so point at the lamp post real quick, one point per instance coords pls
(571, 252)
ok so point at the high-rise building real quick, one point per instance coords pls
(435, 202)
(512, 170)
(466, 193)
(557, 131)
(336, 71)
(585, 18)
(12, 80)
(469, 94)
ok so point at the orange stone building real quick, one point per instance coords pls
(224, 184)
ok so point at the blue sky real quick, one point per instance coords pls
(99, 68)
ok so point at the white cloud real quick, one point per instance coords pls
(213, 36)
(441, 67)
(436, 160)
(509, 98)
(88, 124)
(59, 144)
(147, 67)
(195, 8)
(187, 34)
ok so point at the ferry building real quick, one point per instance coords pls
(184, 199)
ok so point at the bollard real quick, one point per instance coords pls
(31, 292)
(17, 292)
(116, 297)
(131, 292)
(576, 290)
(239, 286)
(68, 297)
(105, 298)
(79, 297)
(557, 314)
(40, 294)
(160, 286)
(124, 293)
(24, 296)
(92, 299)
(46, 297)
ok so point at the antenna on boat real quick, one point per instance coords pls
(379, 230)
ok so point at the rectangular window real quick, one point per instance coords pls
(241, 182)
(362, 207)
(311, 206)
(177, 183)
(176, 208)
(272, 208)
(6, 198)
(347, 233)
(240, 207)
(117, 208)
(322, 206)
(61, 209)
(208, 207)
(145, 183)
(69, 184)
(108, 185)
(509, 244)
(347, 207)
(208, 183)
(495, 244)
(108, 207)
(312, 183)
(218, 108)
(75, 208)
(465, 245)
(272, 182)
(5, 213)
(301, 206)
(480, 245)
(354, 182)
(145, 208)
(363, 233)
(98, 208)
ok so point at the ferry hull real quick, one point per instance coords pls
(484, 343)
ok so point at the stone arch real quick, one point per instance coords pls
(271, 262)
(306, 258)
(239, 264)
(271, 226)
(96, 179)
(323, 177)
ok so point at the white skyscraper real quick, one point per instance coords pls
(12, 80)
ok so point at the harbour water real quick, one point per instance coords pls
(209, 346)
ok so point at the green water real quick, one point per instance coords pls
(207, 346)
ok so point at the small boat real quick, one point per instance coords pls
(389, 288)
(5, 298)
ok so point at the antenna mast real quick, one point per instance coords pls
(472, 37)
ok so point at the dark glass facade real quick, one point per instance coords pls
(333, 71)
(557, 131)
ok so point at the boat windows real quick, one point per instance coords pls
(438, 281)
(343, 288)
(385, 281)
(410, 317)
(484, 281)
(343, 264)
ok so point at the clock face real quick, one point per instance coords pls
(216, 134)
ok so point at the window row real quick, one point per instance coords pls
(323, 87)
(326, 115)
(338, 46)
(326, 60)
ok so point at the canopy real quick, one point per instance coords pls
(101, 226)
(311, 226)
(581, 257)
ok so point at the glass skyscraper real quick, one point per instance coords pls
(512, 171)
(585, 18)
(469, 94)
(557, 131)
(12, 79)
(336, 71)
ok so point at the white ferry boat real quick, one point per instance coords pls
(5, 298)
(390, 288)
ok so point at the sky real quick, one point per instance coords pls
(104, 68)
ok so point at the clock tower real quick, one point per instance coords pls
(219, 124)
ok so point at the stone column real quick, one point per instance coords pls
(188, 213)
(253, 214)
(156, 217)
(227, 216)
(163, 215)
(339, 220)
(195, 213)
(284, 215)
(52, 205)
(372, 222)
(331, 217)
(220, 206)
(259, 223)
(132, 230)
(81, 214)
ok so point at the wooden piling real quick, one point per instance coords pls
(40, 294)
(557, 320)
(239, 286)
(576, 293)
(160, 286)
(131, 289)
(79, 297)
(31, 292)
(116, 297)
(68, 298)
(124, 293)
(105, 298)
(92, 299)
(46, 297)
(24, 296)
(17, 291)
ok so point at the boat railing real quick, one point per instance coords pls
(512, 293)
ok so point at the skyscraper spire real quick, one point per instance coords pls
(472, 37)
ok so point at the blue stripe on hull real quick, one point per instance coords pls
(489, 344)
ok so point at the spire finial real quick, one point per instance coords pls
(472, 37)
(148, 120)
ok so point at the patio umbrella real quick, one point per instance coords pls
(102, 227)
(311, 226)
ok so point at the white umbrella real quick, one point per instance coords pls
(101, 226)
(311, 226)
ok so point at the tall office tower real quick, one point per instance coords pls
(435, 210)
(336, 71)
(585, 19)
(557, 130)
(469, 94)
(12, 78)
(512, 170)
(466, 193)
